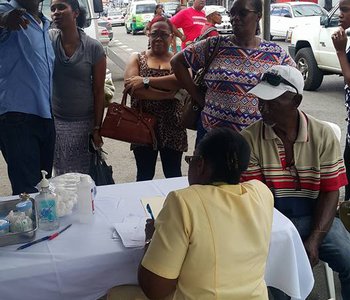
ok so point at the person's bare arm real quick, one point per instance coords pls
(153, 285)
(180, 68)
(166, 83)
(340, 39)
(98, 81)
(132, 71)
(323, 217)
(179, 34)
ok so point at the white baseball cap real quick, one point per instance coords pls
(209, 10)
(277, 80)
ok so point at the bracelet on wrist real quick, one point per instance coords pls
(147, 242)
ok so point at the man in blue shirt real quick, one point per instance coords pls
(27, 133)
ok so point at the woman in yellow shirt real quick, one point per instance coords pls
(211, 239)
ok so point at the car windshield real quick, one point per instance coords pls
(115, 13)
(145, 8)
(308, 10)
(170, 6)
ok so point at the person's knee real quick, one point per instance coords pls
(335, 249)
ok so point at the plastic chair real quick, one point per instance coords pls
(328, 270)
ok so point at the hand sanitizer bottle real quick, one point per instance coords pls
(46, 206)
(85, 200)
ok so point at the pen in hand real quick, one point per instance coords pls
(149, 209)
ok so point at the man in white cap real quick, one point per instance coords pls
(299, 159)
(213, 17)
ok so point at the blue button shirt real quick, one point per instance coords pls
(26, 65)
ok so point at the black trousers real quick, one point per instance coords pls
(27, 143)
(146, 159)
(347, 166)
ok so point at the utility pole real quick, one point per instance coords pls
(266, 20)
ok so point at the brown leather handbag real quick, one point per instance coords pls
(129, 125)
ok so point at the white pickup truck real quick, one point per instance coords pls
(313, 51)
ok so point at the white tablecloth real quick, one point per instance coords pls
(84, 262)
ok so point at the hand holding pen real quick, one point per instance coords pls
(149, 230)
(45, 238)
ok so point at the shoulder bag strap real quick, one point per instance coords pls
(209, 59)
(205, 33)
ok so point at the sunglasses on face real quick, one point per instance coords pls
(276, 80)
(294, 172)
(241, 13)
(190, 158)
(162, 35)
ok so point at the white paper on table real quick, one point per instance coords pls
(132, 231)
(156, 203)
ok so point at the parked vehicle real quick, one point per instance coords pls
(103, 36)
(169, 8)
(313, 51)
(106, 24)
(138, 15)
(284, 17)
(115, 17)
(225, 26)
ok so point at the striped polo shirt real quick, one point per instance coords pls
(318, 164)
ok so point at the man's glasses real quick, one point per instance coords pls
(294, 172)
(190, 158)
(241, 13)
(276, 80)
(162, 35)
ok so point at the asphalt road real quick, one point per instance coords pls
(327, 103)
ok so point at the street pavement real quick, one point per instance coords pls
(327, 103)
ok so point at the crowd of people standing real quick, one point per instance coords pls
(255, 147)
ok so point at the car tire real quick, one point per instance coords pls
(307, 65)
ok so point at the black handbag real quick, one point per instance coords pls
(99, 171)
(192, 110)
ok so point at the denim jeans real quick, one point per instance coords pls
(335, 250)
(146, 159)
(27, 144)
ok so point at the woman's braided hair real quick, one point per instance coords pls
(227, 153)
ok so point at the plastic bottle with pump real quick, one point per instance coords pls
(85, 201)
(46, 205)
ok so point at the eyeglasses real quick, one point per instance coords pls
(241, 13)
(276, 80)
(294, 172)
(162, 35)
(190, 158)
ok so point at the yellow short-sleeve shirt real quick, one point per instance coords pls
(215, 240)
